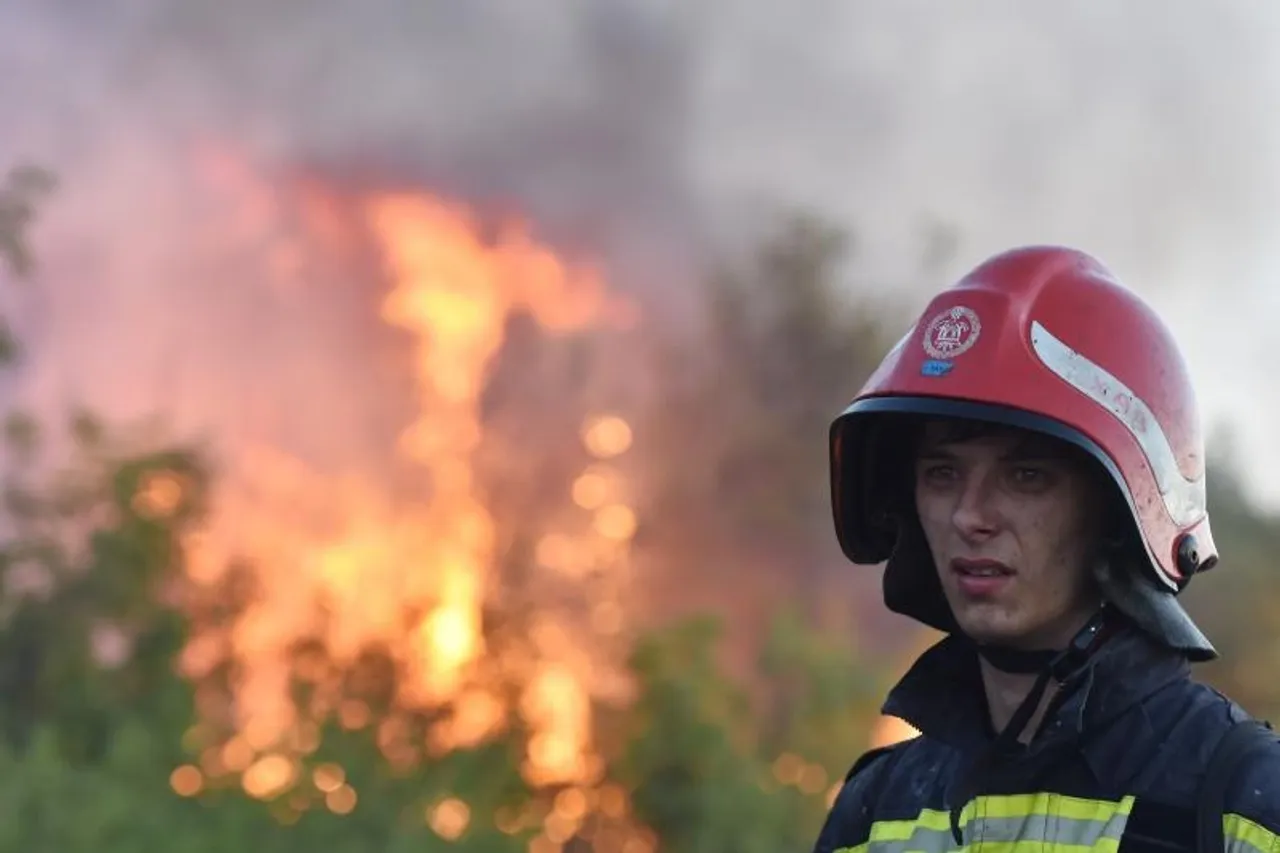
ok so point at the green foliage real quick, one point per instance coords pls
(691, 761)
(712, 770)
(123, 802)
(820, 700)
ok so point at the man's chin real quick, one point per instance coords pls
(986, 633)
(991, 638)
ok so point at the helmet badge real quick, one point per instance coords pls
(951, 333)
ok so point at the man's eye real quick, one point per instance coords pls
(1028, 476)
(940, 473)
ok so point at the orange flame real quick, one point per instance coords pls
(341, 561)
(890, 730)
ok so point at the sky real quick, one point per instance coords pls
(1144, 131)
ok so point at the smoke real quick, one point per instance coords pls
(576, 111)
(1138, 129)
(646, 132)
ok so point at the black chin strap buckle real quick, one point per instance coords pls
(1077, 651)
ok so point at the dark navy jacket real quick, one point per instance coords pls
(1116, 766)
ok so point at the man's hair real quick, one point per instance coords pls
(960, 430)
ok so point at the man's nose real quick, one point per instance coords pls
(974, 516)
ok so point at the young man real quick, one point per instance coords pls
(1029, 462)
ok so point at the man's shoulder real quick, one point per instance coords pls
(1252, 784)
(904, 758)
(1253, 790)
(869, 773)
(891, 776)
(872, 757)
(873, 787)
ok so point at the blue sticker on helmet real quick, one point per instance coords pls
(936, 367)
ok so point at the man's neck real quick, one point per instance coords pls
(1005, 692)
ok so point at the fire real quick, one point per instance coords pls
(449, 818)
(338, 566)
(890, 730)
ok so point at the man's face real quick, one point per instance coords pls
(1011, 518)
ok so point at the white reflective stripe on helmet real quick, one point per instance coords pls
(1184, 499)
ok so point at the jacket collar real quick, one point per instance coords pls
(942, 696)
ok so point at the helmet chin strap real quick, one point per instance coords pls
(1016, 661)
(1035, 661)
(1050, 665)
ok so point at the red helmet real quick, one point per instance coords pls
(1044, 338)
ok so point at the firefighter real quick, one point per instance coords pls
(1028, 464)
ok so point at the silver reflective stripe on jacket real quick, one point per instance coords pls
(1034, 823)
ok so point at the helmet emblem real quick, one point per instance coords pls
(951, 333)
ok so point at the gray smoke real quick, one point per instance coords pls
(578, 110)
(647, 131)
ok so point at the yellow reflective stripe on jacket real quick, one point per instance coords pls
(1037, 823)
(1019, 823)
(1245, 836)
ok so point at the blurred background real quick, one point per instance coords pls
(415, 412)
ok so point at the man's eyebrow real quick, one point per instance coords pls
(1029, 452)
(1035, 452)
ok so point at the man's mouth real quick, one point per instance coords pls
(981, 568)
